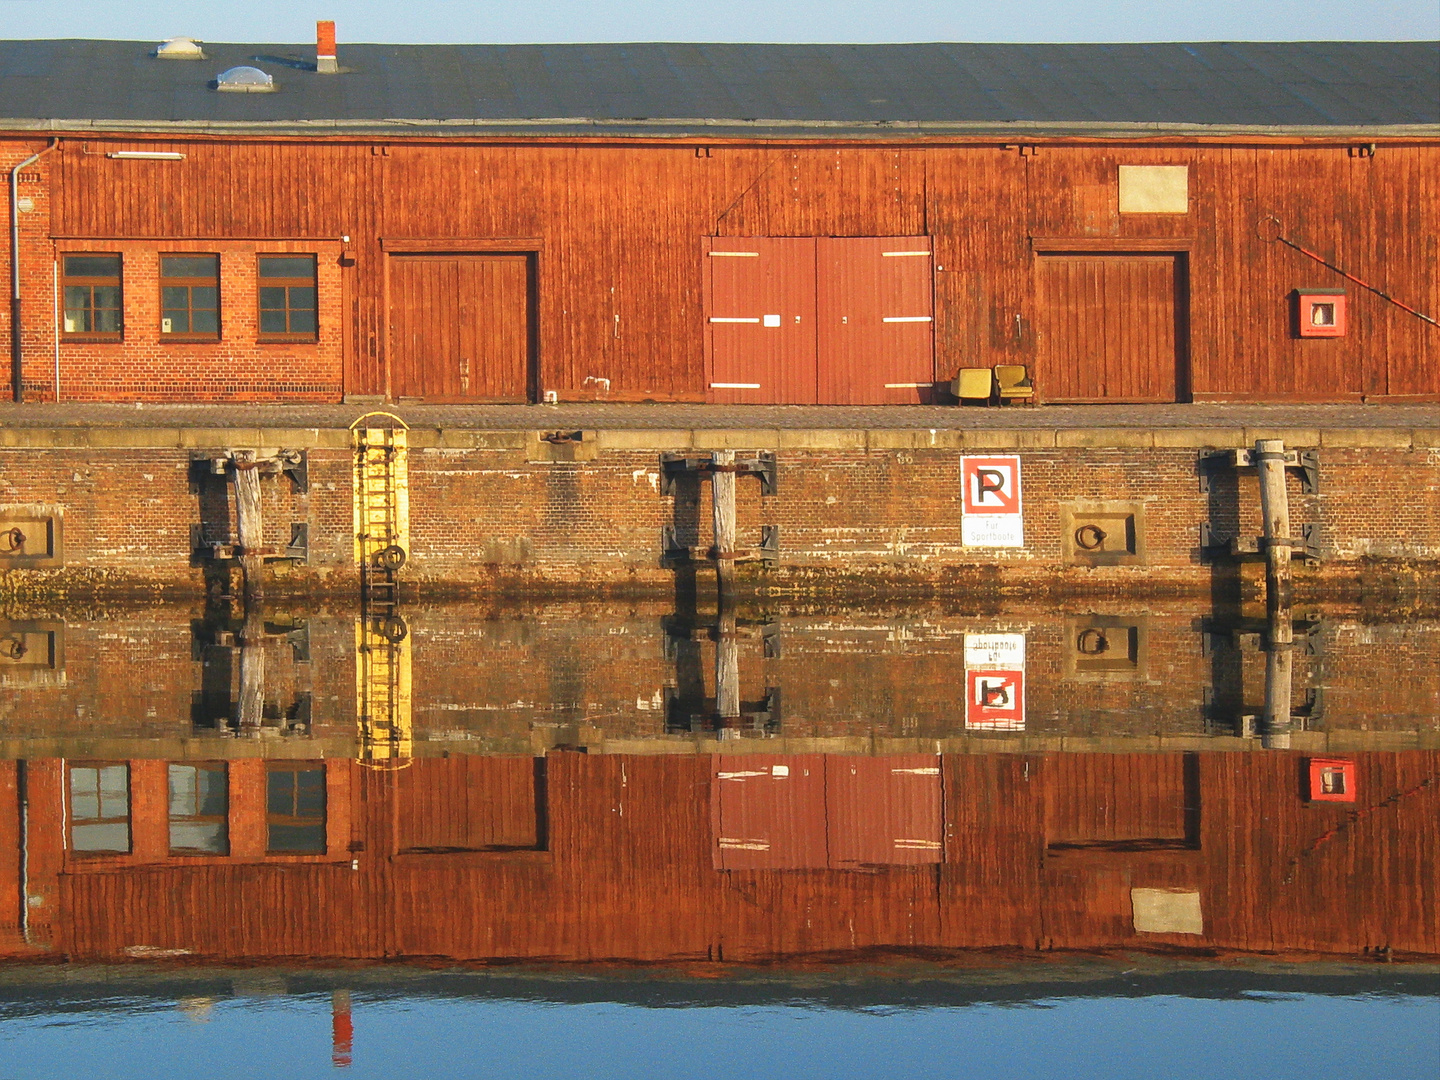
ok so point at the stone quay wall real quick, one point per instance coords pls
(855, 512)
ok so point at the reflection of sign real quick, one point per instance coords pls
(994, 650)
(995, 700)
(991, 514)
(995, 682)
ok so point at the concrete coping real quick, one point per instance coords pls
(842, 439)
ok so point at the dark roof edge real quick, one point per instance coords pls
(691, 128)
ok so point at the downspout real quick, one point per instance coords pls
(22, 783)
(17, 389)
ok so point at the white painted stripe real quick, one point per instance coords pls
(744, 845)
(907, 318)
(931, 770)
(902, 254)
(734, 254)
(146, 155)
(918, 845)
(734, 386)
(716, 319)
(906, 386)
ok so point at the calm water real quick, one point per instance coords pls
(795, 843)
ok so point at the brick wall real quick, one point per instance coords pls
(144, 366)
(38, 295)
(490, 514)
(520, 679)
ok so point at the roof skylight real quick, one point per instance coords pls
(245, 80)
(179, 48)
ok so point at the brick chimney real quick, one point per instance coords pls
(325, 47)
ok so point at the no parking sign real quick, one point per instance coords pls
(990, 510)
(995, 682)
(995, 700)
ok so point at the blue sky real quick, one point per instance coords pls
(729, 20)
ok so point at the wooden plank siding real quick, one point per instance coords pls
(621, 228)
(626, 871)
(1111, 327)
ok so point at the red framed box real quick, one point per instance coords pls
(1320, 313)
(1331, 780)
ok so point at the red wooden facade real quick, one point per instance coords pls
(503, 269)
(593, 858)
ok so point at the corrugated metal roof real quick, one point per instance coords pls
(781, 88)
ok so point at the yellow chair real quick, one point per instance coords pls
(1012, 381)
(973, 384)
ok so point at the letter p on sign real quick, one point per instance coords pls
(991, 513)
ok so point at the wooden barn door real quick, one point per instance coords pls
(874, 310)
(460, 327)
(467, 803)
(760, 320)
(1111, 327)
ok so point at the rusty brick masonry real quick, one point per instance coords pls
(867, 511)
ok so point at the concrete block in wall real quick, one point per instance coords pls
(31, 537)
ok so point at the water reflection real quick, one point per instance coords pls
(751, 857)
(390, 686)
(573, 783)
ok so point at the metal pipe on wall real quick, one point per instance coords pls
(17, 389)
(55, 319)
(22, 786)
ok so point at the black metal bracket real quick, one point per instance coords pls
(673, 553)
(299, 546)
(1246, 723)
(203, 549)
(296, 633)
(297, 464)
(1214, 547)
(761, 717)
(292, 463)
(769, 543)
(1309, 633)
(761, 465)
(1305, 462)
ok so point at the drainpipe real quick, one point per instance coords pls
(22, 783)
(17, 390)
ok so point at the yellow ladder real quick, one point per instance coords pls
(382, 491)
(382, 690)
(382, 545)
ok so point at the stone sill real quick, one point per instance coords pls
(704, 439)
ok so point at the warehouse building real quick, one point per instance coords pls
(808, 224)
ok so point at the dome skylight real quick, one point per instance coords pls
(179, 48)
(245, 80)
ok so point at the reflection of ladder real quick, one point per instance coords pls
(382, 689)
(382, 545)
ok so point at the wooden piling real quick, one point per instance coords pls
(1275, 509)
(1279, 663)
(722, 497)
(727, 669)
(1279, 670)
(252, 669)
(248, 520)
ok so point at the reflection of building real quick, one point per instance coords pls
(740, 857)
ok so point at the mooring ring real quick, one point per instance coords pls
(1089, 536)
(1092, 641)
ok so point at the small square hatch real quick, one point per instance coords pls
(1331, 780)
(1320, 313)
